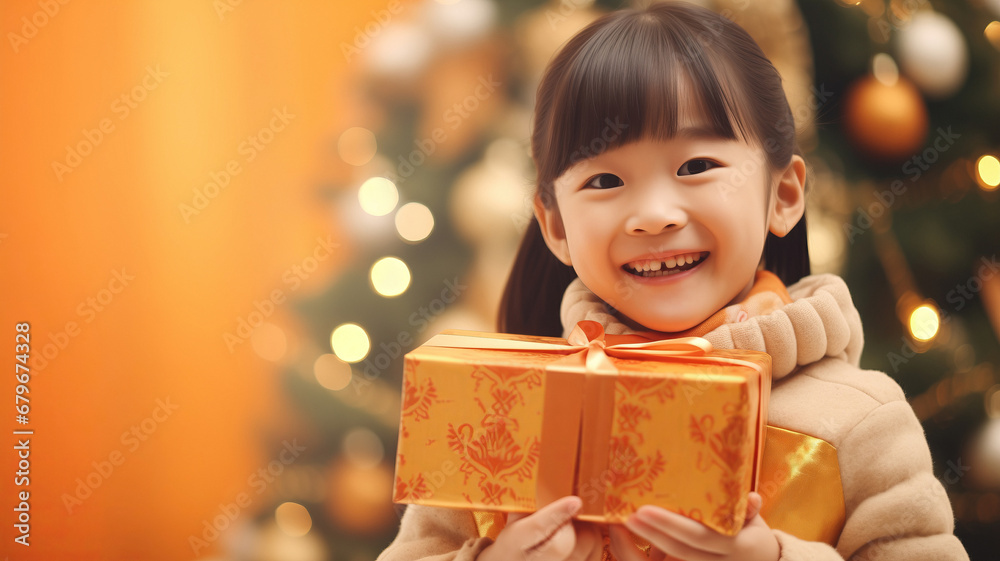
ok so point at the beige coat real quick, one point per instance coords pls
(896, 509)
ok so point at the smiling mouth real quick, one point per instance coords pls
(663, 268)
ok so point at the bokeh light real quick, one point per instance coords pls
(331, 372)
(414, 222)
(924, 322)
(991, 399)
(363, 447)
(350, 342)
(390, 276)
(992, 33)
(885, 69)
(378, 196)
(988, 170)
(293, 519)
(357, 146)
(269, 342)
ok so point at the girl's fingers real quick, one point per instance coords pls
(560, 545)
(679, 528)
(547, 532)
(553, 514)
(674, 544)
(754, 504)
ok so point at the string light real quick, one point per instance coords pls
(924, 322)
(269, 342)
(885, 70)
(331, 372)
(414, 222)
(988, 172)
(991, 401)
(955, 387)
(390, 277)
(350, 342)
(293, 519)
(992, 33)
(378, 196)
(357, 146)
(363, 448)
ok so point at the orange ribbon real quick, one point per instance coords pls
(588, 402)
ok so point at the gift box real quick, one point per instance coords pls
(511, 423)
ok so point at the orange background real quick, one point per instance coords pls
(161, 336)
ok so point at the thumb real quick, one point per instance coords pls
(754, 503)
(539, 527)
(568, 505)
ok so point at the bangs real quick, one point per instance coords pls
(626, 83)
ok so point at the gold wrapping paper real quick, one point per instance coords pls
(799, 482)
(510, 423)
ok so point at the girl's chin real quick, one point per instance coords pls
(664, 324)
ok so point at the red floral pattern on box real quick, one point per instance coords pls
(495, 454)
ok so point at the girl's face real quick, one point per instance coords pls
(669, 232)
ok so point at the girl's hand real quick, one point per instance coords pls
(680, 537)
(549, 534)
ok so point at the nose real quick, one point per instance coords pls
(654, 212)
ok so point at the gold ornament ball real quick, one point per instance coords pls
(360, 497)
(886, 123)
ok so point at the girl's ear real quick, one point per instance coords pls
(790, 199)
(550, 222)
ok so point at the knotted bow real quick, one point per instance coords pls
(587, 337)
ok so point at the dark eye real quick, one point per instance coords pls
(697, 165)
(605, 181)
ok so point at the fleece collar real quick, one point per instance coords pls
(821, 321)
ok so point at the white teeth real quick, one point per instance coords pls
(650, 268)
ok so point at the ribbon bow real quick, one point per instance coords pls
(587, 336)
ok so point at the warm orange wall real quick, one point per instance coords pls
(161, 336)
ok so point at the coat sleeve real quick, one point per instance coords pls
(435, 534)
(896, 509)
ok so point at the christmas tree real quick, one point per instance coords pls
(895, 102)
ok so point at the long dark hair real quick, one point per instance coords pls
(616, 82)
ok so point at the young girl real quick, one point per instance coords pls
(670, 203)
